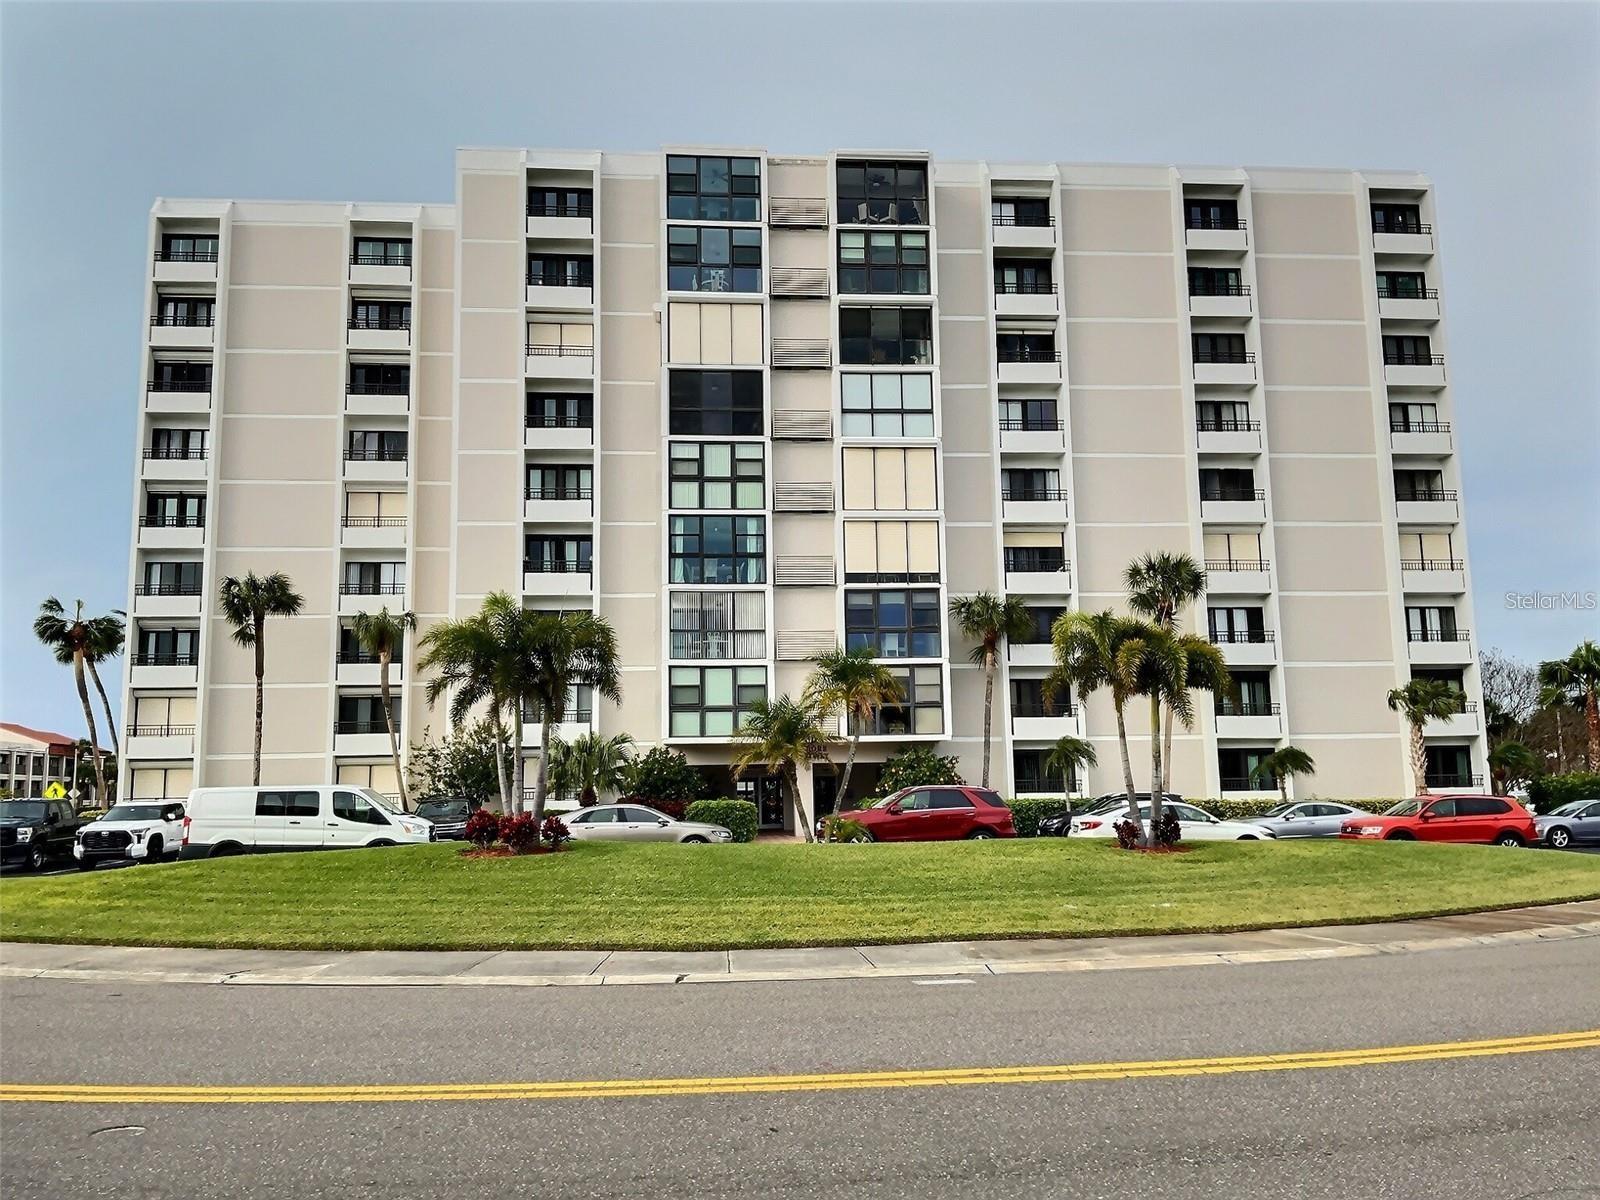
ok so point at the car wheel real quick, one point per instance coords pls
(1247, 837)
(84, 864)
(380, 842)
(1560, 837)
(1401, 835)
(152, 853)
(694, 840)
(863, 836)
(1508, 838)
(37, 858)
(980, 835)
(226, 850)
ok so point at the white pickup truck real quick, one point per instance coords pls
(142, 830)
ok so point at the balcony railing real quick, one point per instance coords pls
(166, 589)
(559, 279)
(371, 589)
(551, 421)
(1033, 785)
(1224, 356)
(1452, 780)
(1237, 564)
(365, 726)
(165, 660)
(172, 520)
(1419, 426)
(583, 211)
(1220, 289)
(1029, 356)
(1431, 564)
(1212, 425)
(375, 455)
(1401, 227)
(1038, 708)
(184, 320)
(209, 256)
(1045, 288)
(1046, 493)
(1245, 708)
(1241, 637)
(1031, 424)
(1024, 222)
(393, 324)
(1464, 705)
(363, 658)
(1244, 783)
(891, 577)
(160, 730)
(1034, 560)
(1234, 494)
(1386, 293)
(378, 389)
(180, 452)
(1421, 495)
(1407, 359)
(180, 385)
(559, 493)
(1438, 635)
(555, 566)
(559, 351)
(374, 522)
(1214, 223)
(380, 260)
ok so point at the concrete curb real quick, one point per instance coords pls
(560, 968)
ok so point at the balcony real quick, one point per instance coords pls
(165, 465)
(1047, 506)
(1227, 437)
(1411, 238)
(381, 334)
(363, 738)
(1445, 576)
(168, 532)
(183, 331)
(556, 577)
(384, 270)
(1026, 300)
(1241, 720)
(375, 466)
(163, 670)
(373, 533)
(560, 221)
(166, 600)
(1021, 435)
(1438, 781)
(551, 291)
(1246, 647)
(562, 504)
(1035, 723)
(1030, 654)
(377, 399)
(1224, 368)
(802, 354)
(1234, 301)
(559, 362)
(1037, 575)
(1430, 438)
(1247, 788)
(1240, 576)
(1238, 506)
(1413, 370)
(558, 433)
(169, 396)
(1037, 233)
(159, 741)
(185, 266)
(362, 670)
(370, 597)
(1438, 647)
(1464, 723)
(1029, 366)
(1432, 506)
(1413, 304)
(1218, 235)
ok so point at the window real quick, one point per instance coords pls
(353, 806)
(1034, 552)
(560, 270)
(718, 625)
(1233, 552)
(717, 475)
(577, 710)
(894, 479)
(177, 443)
(1016, 347)
(1023, 277)
(560, 410)
(1223, 416)
(1034, 775)
(1220, 348)
(1415, 418)
(882, 193)
(1430, 623)
(170, 579)
(1403, 285)
(715, 335)
(196, 311)
(1031, 483)
(380, 314)
(1411, 350)
(718, 550)
(560, 202)
(1216, 281)
(1229, 483)
(374, 579)
(712, 701)
(1396, 218)
(351, 650)
(707, 188)
(886, 262)
(288, 804)
(1454, 678)
(1428, 551)
(163, 716)
(161, 783)
(1243, 623)
(886, 405)
(1448, 766)
(376, 445)
(560, 482)
(1030, 698)
(167, 648)
(1042, 620)
(703, 258)
(180, 510)
(168, 375)
(188, 247)
(1254, 696)
(556, 554)
(920, 709)
(374, 510)
(891, 552)
(1032, 414)
(715, 403)
(1204, 212)
(1020, 211)
(1480, 806)
(1420, 485)
(364, 714)
(379, 379)
(1237, 765)
(949, 798)
(558, 339)
(886, 336)
(382, 252)
(893, 624)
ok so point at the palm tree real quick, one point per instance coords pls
(72, 641)
(556, 653)
(1102, 650)
(1069, 755)
(1160, 586)
(590, 765)
(381, 634)
(1421, 701)
(246, 604)
(849, 681)
(1575, 680)
(1173, 666)
(988, 620)
(1281, 765)
(779, 735)
(468, 659)
(1511, 763)
(106, 636)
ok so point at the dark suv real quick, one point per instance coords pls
(934, 814)
(449, 816)
(33, 832)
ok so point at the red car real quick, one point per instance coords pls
(934, 814)
(1488, 820)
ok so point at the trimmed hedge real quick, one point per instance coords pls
(1552, 791)
(740, 816)
(1028, 811)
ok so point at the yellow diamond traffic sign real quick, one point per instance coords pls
(55, 792)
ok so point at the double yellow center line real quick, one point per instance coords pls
(726, 1085)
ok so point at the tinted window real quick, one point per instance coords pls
(1186, 813)
(641, 815)
(1442, 808)
(992, 799)
(950, 798)
(269, 804)
(352, 806)
(1480, 806)
(916, 801)
(603, 816)
(302, 804)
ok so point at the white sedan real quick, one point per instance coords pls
(636, 823)
(1196, 824)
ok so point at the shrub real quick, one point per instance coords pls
(555, 832)
(739, 816)
(1028, 811)
(842, 829)
(91, 814)
(463, 764)
(1240, 810)
(1552, 791)
(663, 775)
(1167, 831)
(483, 828)
(917, 766)
(520, 833)
(1127, 834)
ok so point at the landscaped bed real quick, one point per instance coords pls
(690, 897)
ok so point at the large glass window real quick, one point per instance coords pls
(374, 578)
(1233, 624)
(886, 405)
(1396, 218)
(1421, 485)
(712, 701)
(380, 314)
(563, 481)
(1219, 348)
(560, 270)
(1449, 766)
(364, 714)
(1034, 559)
(1020, 210)
(1018, 347)
(1223, 416)
(717, 475)
(168, 375)
(718, 625)
(882, 193)
(715, 403)
(1403, 285)
(556, 554)
(382, 252)
(188, 247)
(179, 510)
(1409, 350)
(919, 711)
(886, 336)
(885, 262)
(560, 202)
(1204, 212)
(560, 410)
(1034, 414)
(1041, 620)
(893, 623)
(1229, 483)
(703, 258)
(713, 188)
(195, 311)
(1023, 277)
(1030, 698)
(718, 550)
(376, 445)
(379, 379)
(890, 478)
(1034, 776)
(1216, 281)
(1237, 765)
(891, 551)
(187, 443)
(352, 651)
(1031, 483)
(170, 579)
(167, 647)
(1254, 697)
(1430, 623)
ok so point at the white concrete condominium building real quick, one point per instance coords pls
(749, 406)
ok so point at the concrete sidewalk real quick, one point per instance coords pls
(584, 968)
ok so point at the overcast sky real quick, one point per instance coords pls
(105, 107)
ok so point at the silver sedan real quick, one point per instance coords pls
(1307, 818)
(636, 823)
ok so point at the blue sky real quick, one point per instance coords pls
(105, 107)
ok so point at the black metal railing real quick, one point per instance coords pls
(378, 389)
(1422, 495)
(160, 730)
(1241, 637)
(1031, 424)
(1237, 564)
(1431, 564)
(371, 589)
(375, 456)
(1401, 227)
(559, 351)
(1029, 356)
(551, 421)
(180, 385)
(891, 577)
(169, 452)
(1033, 494)
(380, 260)
(165, 660)
(364, 658)
(1024, 222)
(207, 256)
(1034, 785)
(185, 320)
(1419, 426)
(1452, 780)
(1224, 356)
(1038, 708)
(172, 520)
(1244, 783)
(1220, 289)
(365, 726)
(1407, 359)
(392, 324)
(1214, 223)
(1387, 293)
(584, 211)
(1025, 289)
(559, 279)
(166, 589)
(559, 493)
(1464, 705)
(374, 522)
(1034, 560)
(1234, 494)
(1245, 708)
(1215, 425)
(1438, 635)
(555, 566)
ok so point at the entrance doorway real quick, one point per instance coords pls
(766, 793)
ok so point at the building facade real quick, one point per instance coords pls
(750, 406)
(31, 760)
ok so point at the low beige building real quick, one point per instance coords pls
(748, 406)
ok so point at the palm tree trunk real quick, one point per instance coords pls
(499, 734)
(518, 770)
(105, 702)
(1283, 786)
(541, 774)
(1591, 717)
(988, 709)
(261, 674)
(1155, 765)
(791, 780)
(388, 719)
(94, 736)
(1167, 721)
(844, 782)
(1419, 760)
(1127, 770)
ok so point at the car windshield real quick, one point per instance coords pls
(1277, 810)
(885, 801)
(436, 810)
(379, 799)
(1406, 808)
(21, 810)
(1570, 809)
(133, 812)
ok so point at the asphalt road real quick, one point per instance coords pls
(1490, 1127)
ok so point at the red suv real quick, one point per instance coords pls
(1483, 819)
(934, 814)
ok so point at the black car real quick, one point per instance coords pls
(33, 832)
(1058, 824)
(449, 816)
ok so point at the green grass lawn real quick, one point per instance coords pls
(688, 897)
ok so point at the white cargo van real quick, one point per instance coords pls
(256, 820)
